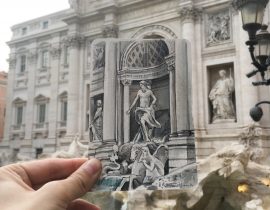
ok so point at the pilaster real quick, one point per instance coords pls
(250, 93)
(109, 120)
(170, 60)
(126, 124)
(55, 52)
(32, 59)
(10, 85)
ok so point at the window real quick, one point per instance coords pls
(24, 31)
(39, 151)
(66, 55)
(19, 115)
(45, 25)
(45, 59)
(64, 111)
(63, 105)
(22, 63)
(18, 111)
(41, 115)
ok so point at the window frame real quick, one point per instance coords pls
(22, 63)
(45, 60)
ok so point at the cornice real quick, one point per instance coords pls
(108, 7)
(36, 35)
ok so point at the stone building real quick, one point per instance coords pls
(50, 62)
(3, 87)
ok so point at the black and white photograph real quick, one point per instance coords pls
(139, 127)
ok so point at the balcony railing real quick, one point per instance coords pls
(62, 124)
(19, 127)
(17, 131)
(41, 125)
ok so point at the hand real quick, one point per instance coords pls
(128, 111)
(48, 184)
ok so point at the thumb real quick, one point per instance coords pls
(78, 183)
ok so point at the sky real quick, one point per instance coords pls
(13, 12)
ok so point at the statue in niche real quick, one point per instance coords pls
(97, 124)
(145, 113)
(221, 98)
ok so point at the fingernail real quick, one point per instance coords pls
(92, 166)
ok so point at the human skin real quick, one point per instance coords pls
(51, 184)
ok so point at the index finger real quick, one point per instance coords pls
(40, 172)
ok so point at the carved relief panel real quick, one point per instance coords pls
(218, 27)
(99, 56)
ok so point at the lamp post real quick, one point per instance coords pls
(252, 12)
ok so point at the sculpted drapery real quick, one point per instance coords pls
(221, 98)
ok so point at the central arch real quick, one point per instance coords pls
(154, 31)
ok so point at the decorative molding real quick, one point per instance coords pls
(155, 28)
(170, 60)
(32, 57)
(12, 61)
(126, 82)
(110, 31)
(190, 13)
(63, 76)
(43, 79)
(22, 83)
(55, 52)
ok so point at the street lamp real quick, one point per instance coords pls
(260, 52)
(252, 12)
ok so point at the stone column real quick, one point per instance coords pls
(109, 109)
(82, 97)
(75, 42)
(181, 84)
(126, 124)
(188, 17)
(53, 108)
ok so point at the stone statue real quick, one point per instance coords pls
(97, 124)
(221, 98)
(154, 166)
(145, 113)
(74, 4)
(76, 149)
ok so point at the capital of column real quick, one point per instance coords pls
(12, 60)
(190, 13)
(126, 82)
(55, 52)
(74, 41)
(110, 31)
(32, 57)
